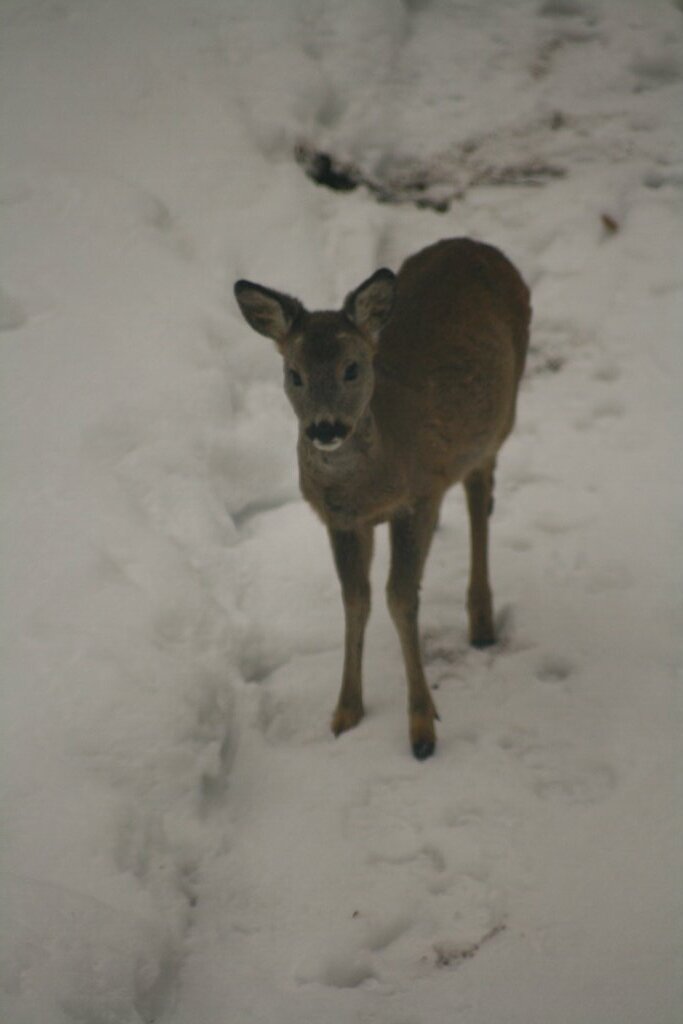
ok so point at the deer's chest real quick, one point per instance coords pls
(361, 495)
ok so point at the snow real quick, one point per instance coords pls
(183, 839)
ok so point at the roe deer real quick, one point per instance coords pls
(407, 390)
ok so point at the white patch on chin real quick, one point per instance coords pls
(330, 446)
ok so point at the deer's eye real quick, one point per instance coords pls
(351, 371)
(295, 378)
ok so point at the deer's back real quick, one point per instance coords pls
(450, 358)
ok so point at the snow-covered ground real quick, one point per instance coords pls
(183, 841)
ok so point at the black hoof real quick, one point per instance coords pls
(482, 642)
(423, 749)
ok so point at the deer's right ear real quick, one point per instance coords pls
(269, 312)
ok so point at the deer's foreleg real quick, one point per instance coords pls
(411, 536)
(352, 551)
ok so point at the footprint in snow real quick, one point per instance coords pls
(450, 953)
(556, 774)
(552, 347)
(291, 706)
(563, 9)
(583, 784)
(605, 409)
(554, 669)
(447, 651)
(156, 214)
(609, 576)
(655, 70)
(607, 371)
(12, 313)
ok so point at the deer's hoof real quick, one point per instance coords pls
(482, 633)
(422, 749)
(482, 640)
(345, 718)
(422, 733)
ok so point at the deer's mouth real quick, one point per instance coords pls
(327, 434)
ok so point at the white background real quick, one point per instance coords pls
(183, 841)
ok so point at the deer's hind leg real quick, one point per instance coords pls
(411, 537)
(352, 550)
(479, 491)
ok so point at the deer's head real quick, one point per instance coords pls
(327, 356)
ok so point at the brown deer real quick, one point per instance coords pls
(407, 390)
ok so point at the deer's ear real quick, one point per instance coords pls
(370, 305)
(269, 312)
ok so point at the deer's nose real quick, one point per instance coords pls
(327, 432)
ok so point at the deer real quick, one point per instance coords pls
(407, 390)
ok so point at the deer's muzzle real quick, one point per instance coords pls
(327, 434)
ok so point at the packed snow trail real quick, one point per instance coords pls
(182, 838)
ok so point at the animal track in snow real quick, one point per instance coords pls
(346, 965)
(520, 544)
(444, 654)
(356, 958)
(583, 784)
(563, 9)
(79, 937)
(447, 652)
(157, 215)
(12, 313)
(657, 69)
(551, 347)
(607, 371)
(557, 521)
(425, 855)
(554, 669)
(558, 41)
(452, 954)
(382, 934)
(441, 858)
(609, 576)
(347, 972)
(217, 761)
(605, 409)
(558, 774)
(292, 707)
(656, 180)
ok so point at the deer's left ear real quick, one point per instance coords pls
(369, 305)
(267, 311)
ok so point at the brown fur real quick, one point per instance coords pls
(439, 353)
